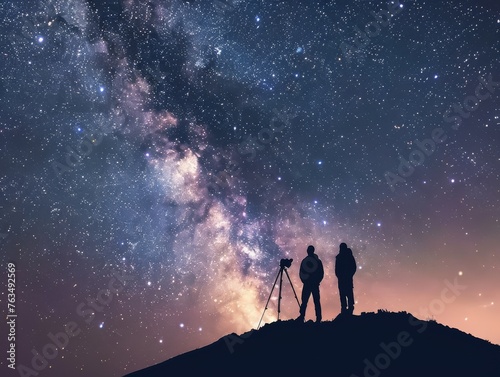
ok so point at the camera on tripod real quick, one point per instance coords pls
(286, 263)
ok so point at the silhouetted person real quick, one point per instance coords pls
(345, 268)
(311, 274)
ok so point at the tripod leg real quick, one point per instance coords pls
(293, 289)
(279, 297)
(270, 294)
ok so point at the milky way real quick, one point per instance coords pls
(159, 158)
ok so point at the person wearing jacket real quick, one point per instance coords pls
(311, 274)
(345, 268)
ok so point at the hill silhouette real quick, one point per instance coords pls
(369, 345)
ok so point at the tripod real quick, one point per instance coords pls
(280, 275)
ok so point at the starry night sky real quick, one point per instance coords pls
(188, 146)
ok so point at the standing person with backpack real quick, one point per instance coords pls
(345, 268)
